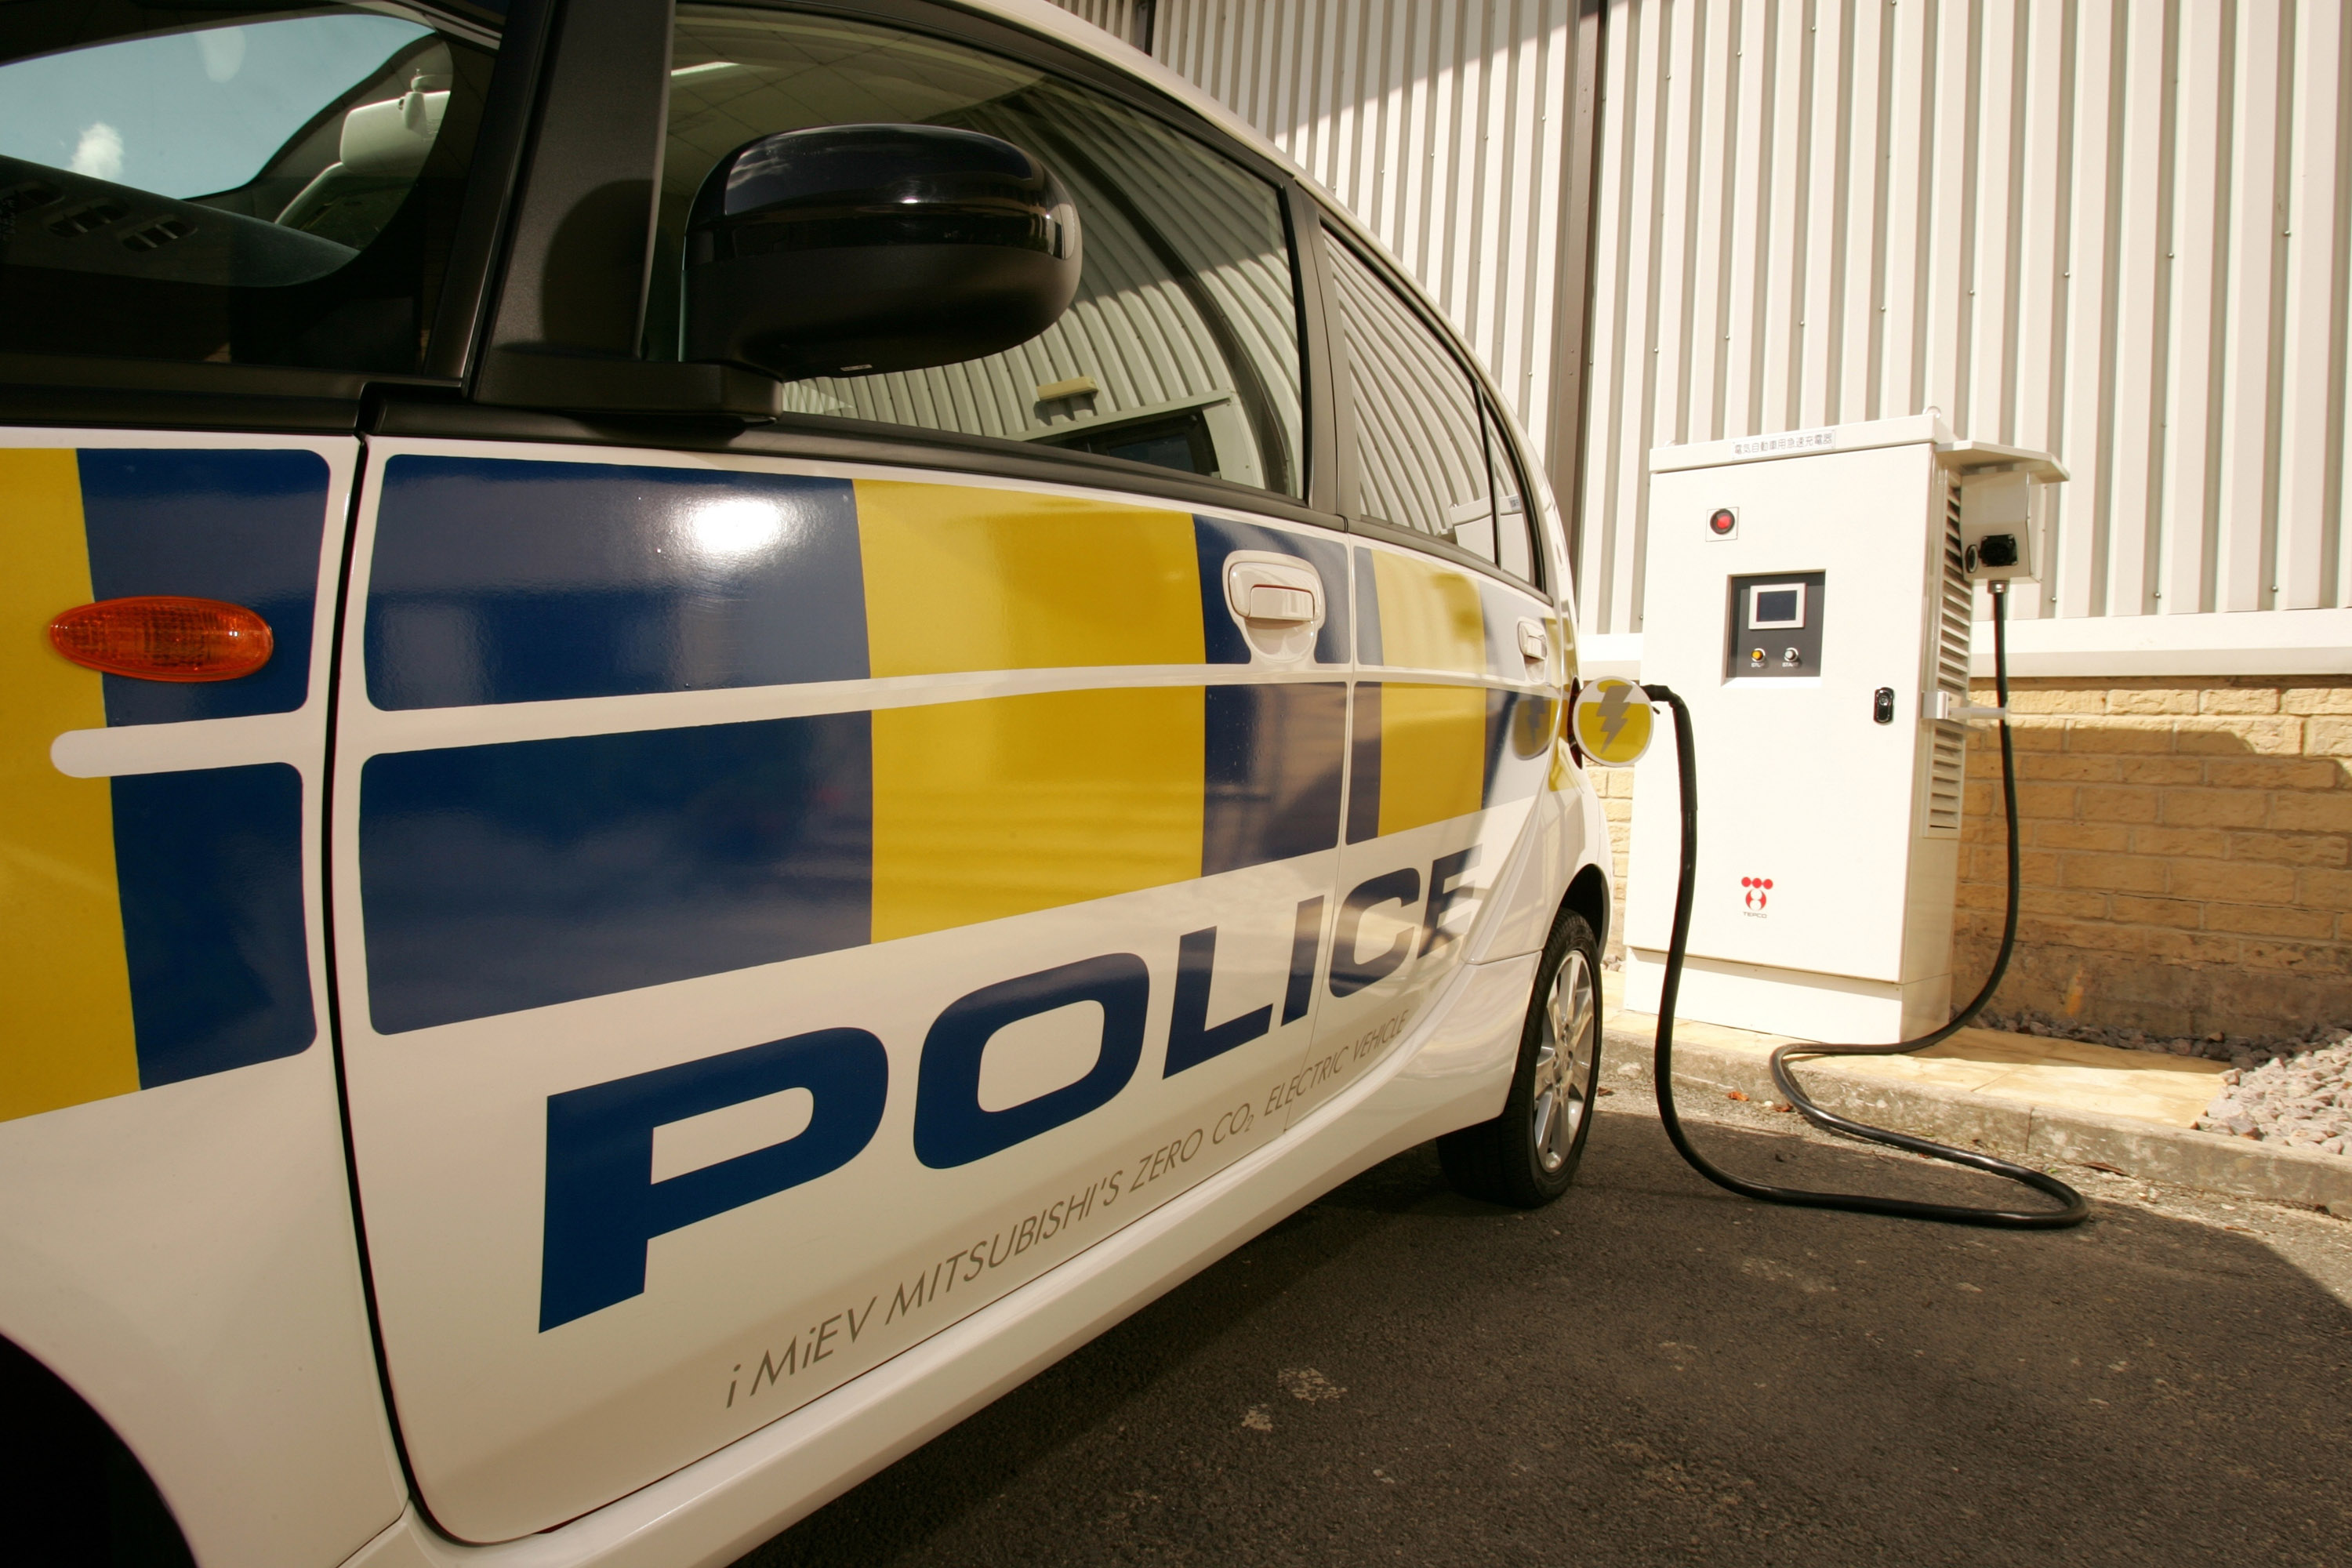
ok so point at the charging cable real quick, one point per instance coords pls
(2075, 1210)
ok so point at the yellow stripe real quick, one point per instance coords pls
(962, 578)
(1013, 804)
(65, 989)
(1430, 618)
(1432, 754)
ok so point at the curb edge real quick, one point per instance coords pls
(2182, 1156)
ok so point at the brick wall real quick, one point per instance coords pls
(2185, 854)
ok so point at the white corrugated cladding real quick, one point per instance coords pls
(1441, 126)
(2115, 229)
(1116, 17)
(2120, 230)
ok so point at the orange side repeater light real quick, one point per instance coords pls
(164, 638)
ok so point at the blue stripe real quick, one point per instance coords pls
(1216, 538)
(242, 526)
(1519, 743)
(1272, 772)
(499, 877)
(209, 867)
(506, 580)
(1364, 768)
(1367, 611)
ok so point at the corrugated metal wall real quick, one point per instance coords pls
(1441, 123)
(1117, 18)
(2116, 229)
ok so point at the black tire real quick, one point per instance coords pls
(1527, 1156)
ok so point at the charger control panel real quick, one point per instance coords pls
(1775, 626)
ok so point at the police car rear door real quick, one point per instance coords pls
(1456, 702)
(796, 883)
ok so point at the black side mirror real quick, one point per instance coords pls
(849, 250)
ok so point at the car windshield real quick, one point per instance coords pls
(191, 113)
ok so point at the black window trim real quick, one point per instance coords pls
(1335, 231)
(1321, 412)
(103, 391)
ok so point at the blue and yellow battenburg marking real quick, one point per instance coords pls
(503, 876)
(151, 926)
(497, 580)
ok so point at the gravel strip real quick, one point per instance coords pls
(2303, 1098)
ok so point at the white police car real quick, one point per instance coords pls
(718, 721)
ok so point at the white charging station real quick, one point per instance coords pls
(1809, 595)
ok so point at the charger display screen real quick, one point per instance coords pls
(1780, 604)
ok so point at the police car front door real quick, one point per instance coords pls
(786, 900)
(782, 906)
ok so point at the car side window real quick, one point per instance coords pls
(1182, 347)
(1514, 546)
(247, 187)
(1422, 441)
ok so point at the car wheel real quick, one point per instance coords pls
(1526, 1156)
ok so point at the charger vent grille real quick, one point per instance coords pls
(1948, 755)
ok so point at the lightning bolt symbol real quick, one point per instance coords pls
(1616, 708)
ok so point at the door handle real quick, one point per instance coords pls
(1274, 593)
(1535, 644)
(1273, 602)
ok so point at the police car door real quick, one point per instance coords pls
(1456, 699)
(796, 883)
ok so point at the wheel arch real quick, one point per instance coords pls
(1588, 895)
(76, 1494)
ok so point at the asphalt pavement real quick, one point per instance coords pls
(1653, 1371)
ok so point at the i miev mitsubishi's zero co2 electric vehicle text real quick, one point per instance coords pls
(717, 722)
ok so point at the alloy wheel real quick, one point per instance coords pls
(1564, 1061)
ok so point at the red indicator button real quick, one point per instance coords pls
(164, 638)
(1723, 522)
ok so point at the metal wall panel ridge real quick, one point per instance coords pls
(2116, 229)
(1123, 19)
